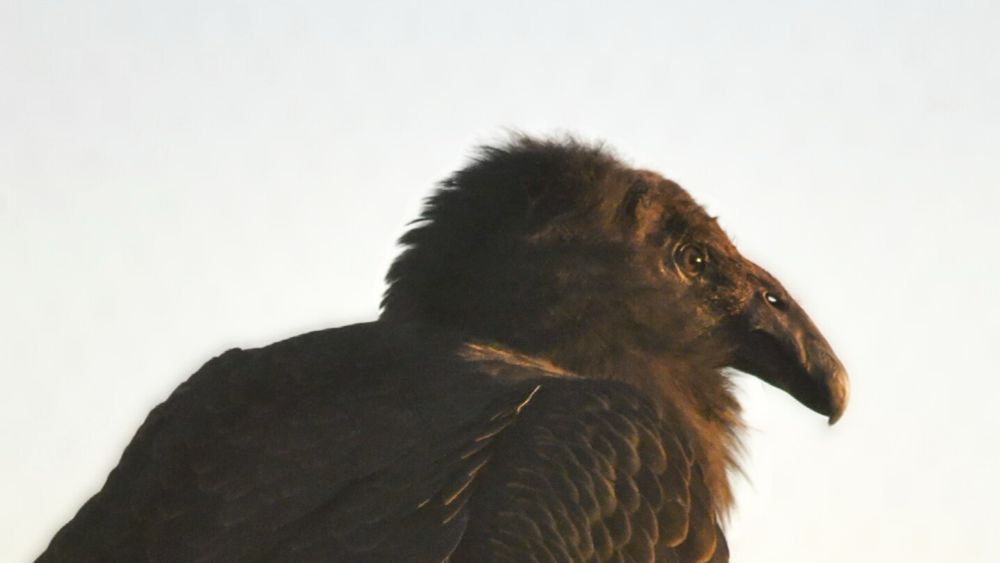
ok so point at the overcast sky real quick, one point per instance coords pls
(177, 178)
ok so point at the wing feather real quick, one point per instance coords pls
(376, 443)
(593, 471)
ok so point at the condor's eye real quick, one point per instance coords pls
(691, 259)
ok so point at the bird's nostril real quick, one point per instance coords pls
(774, 300)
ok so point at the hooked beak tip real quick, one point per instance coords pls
(840, 391)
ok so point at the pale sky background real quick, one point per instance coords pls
(177, 178)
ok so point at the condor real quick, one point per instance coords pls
(545, 383)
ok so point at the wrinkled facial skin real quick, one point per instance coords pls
(771, 336)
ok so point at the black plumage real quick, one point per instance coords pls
(544, 384)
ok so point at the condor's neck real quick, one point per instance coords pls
(678, 371)
(696, 393)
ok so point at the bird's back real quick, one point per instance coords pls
(384, 442)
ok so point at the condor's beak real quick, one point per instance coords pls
(778, 343)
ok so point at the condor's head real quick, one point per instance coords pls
(557, 249)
